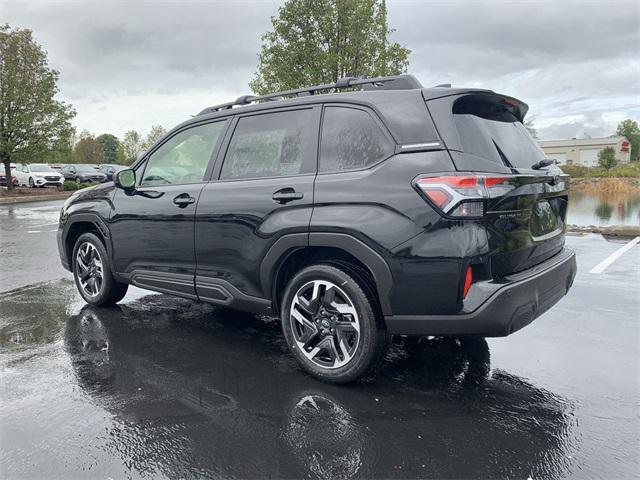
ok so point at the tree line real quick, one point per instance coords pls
(106, 148)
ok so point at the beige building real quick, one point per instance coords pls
(584, 151)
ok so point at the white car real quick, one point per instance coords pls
(38, 175)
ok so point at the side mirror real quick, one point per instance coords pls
(125, 179)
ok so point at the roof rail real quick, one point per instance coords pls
(395, 82)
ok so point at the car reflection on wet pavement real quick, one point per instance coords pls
(162, 386)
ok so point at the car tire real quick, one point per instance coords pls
(31, 183)
(94, 280)
(340, 336)
(78, 180)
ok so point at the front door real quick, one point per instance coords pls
(152, 227)
(264, 189)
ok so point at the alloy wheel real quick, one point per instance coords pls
(325, 324)
(89, 272)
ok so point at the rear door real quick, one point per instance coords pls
(262, 190)
(526, 210)
(152, 227)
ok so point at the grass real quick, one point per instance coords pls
(627, 170)
(69, 185)
(606, 185)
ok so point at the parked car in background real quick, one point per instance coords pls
(56, 166)
(82, 172)
(38, 175)
(109, 169)
(3, 176)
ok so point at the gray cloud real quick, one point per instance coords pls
(128, 65)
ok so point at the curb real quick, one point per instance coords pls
(35, 198)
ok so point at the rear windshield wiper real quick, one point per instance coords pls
(545, 162)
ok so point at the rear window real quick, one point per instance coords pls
(489, 127)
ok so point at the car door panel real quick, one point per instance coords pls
(151, 233)
(237, 223)
(239, 219)
(152, 227)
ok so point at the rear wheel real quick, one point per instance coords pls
(92, 272)
(331, 324)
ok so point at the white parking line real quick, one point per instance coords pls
(603, 265)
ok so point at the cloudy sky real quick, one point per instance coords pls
(128, 65)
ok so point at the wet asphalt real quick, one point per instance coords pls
(162, 387)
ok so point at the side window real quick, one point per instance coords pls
(184, 157)
(270, 145)
(351, 139)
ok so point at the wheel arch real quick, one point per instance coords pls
(293, 252)
(83, 223)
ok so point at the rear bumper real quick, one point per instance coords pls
(510, 306)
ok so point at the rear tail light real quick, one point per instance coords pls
(468, 280)
(463, 196)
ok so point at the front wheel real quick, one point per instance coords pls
(331, 324)
(92, 272)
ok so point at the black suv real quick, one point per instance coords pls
(353, 216)
(83, 173)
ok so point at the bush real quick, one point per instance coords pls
(631, 169)
(627, 170)
(607, 158)
(576, 171)
(69, 185)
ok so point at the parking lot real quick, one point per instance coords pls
(169, 388)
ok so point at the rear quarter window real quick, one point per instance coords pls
(351, 139)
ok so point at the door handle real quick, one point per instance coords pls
(183, 200)
(286, 195)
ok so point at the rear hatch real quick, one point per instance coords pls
(525, 207)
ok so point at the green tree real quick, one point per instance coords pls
(88, 150)
(62, 149)
(157, 131)
(32, 121)
(320, 41)
(110, 144)
(607, 158)
(130, 148)
(531, 129)
(629, 128)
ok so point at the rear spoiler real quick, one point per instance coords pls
(490, 103)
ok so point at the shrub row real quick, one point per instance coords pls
(69, 185)
(631, 169)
